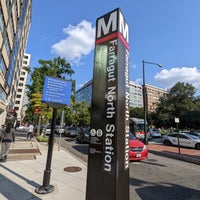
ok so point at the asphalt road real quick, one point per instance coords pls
(156, 178)
(161, 178)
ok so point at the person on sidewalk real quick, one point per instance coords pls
(2, 132)
(8, 138)
(30, 130)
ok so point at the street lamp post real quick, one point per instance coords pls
(145, 98)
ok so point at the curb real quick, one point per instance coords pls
(176, 156)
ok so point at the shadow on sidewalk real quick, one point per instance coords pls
(163, 191)
(12, 191)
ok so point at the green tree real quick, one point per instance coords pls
(177, 103)
(82, 115)
(58, 67)
(136, 112)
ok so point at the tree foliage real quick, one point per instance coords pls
(77, 113)
(136, 112)
(58, 67)
(179, 102)
(82, 115)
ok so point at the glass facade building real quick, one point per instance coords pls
(85, 93)
(136, 95)
(15, 19)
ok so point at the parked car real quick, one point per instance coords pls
(83, 135)
(138, 150)
(42, 128)
(59, 129)
(48, 130)
(185, 140)
(197, 134)
(155, 133)
(21, 129)
(71, 131)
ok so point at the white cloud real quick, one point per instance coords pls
(78, 43)
(168, 78)
(133, 66)
(138, 81)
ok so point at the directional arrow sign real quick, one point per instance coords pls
(56, 92)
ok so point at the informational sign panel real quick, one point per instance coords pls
(108, 158)
(56, 92)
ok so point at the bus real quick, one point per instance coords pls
(137, 128)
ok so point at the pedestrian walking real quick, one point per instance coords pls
(7, 139)
(30, 130)
(2, 132)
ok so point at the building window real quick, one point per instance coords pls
(7, 46)
(2, 65)
(17, 102)
(11, 28)
(21, 79)
(20, 84)
(25, 56)
(1, 22)
(18, 96)
(25, 62)
(16, 108)
(19, 90)
(2, 95)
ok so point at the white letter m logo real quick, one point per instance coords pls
(105, 28)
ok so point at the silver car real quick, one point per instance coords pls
(197, 134)
(155, 133)
(59, 130)
(185, 140)
(71, 131)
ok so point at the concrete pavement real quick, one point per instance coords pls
(24, 170)
(19, 178)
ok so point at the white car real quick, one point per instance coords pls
(48, 130)
(21, 129)
(59, 130)
(185, 140)
(197, 134)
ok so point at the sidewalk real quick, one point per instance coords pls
(24, 170)
(186, 154)
(19, 178)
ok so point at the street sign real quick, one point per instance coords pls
(176, 120)
(56, 92)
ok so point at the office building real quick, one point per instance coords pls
(153, 96)
(85, 93)
(21, 99)
(15, 19)
(136, 95)
(136, 98)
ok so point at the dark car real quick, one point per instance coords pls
(71, 131)
(83, 135)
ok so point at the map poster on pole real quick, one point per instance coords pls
(56, 92)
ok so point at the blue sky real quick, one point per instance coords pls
(165, 32)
